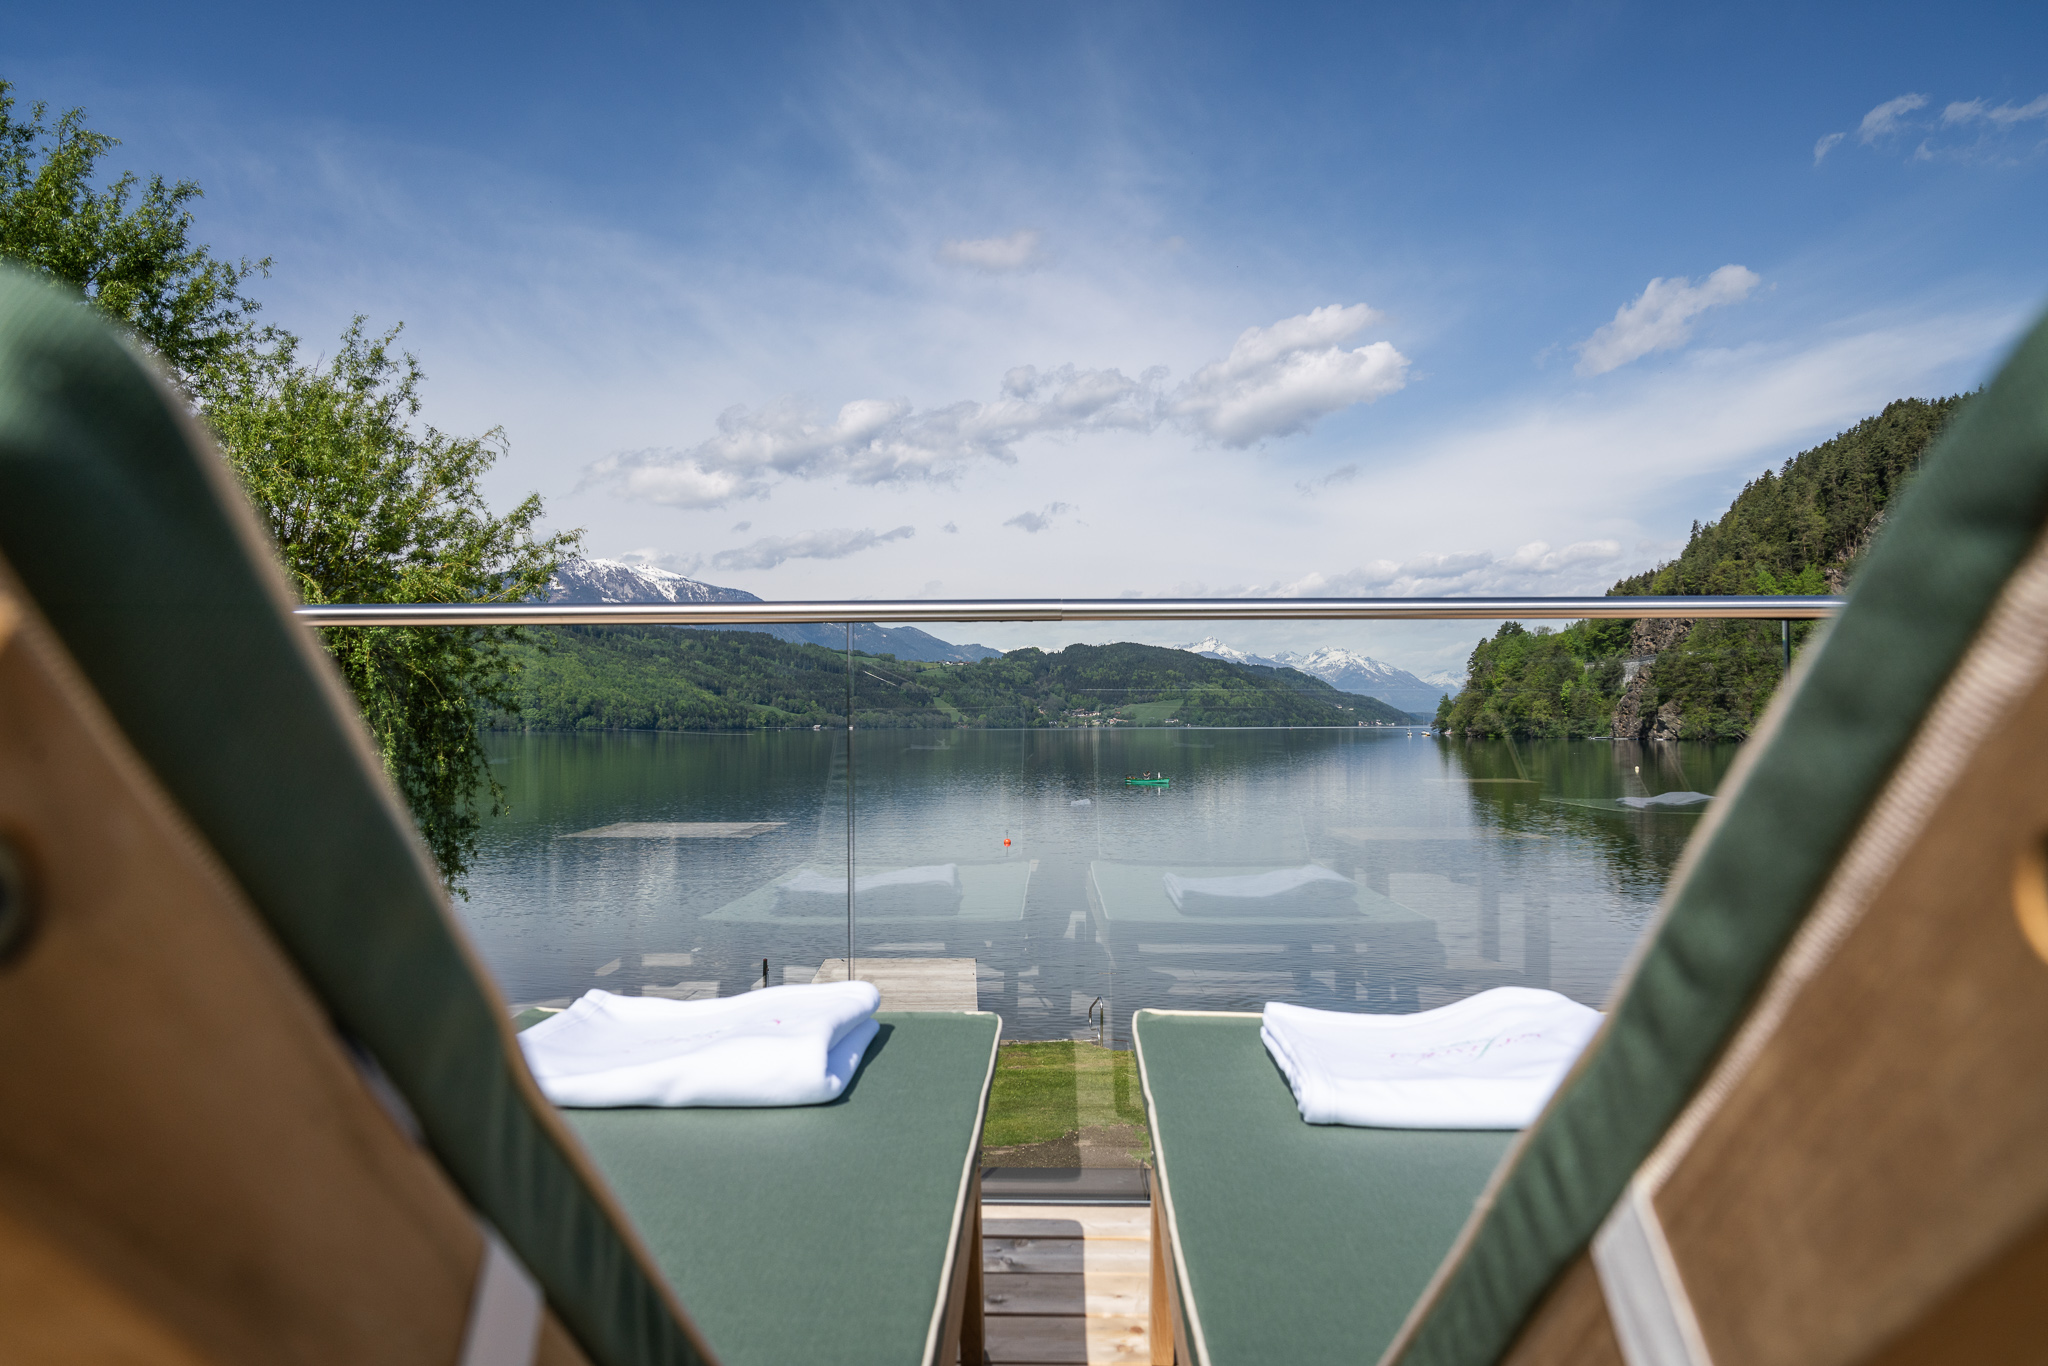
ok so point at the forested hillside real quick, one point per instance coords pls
(1801, 529)
(657, 678)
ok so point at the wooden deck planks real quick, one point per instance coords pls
(1067, 1285)
(911, 983)
(1108, 1292)
(1058, 1341)
(1084, 1255)
(1066, 1221)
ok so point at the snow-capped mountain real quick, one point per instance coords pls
(1347, 671)
(1216, 649)
(584, 580)
(1351, 672)
(598, 580)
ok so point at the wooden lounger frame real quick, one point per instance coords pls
(193, 1168)
(1868, 1164)
(1172, 1317)
(963, 1326)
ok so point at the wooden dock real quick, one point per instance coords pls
(1067, 1285)
(678, 830)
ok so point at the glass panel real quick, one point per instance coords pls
(1106, 853)
(1122, 842)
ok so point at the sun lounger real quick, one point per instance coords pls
(1811, 1129)
(261, 1104)
(822, 1232)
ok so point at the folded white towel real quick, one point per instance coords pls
(1487, 1062)
(797, 1045)
(1312, 880)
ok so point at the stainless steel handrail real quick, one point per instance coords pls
(1064, 609)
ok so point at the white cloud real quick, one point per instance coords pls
(1469, 573)
(742, 526)
(686, 565)
(1660, 319)
(657, 476)
(1343, 474)
(2008, 113)
(1538, 558)
(874, 441)
(1887, 116)
(1278, 380)
(1021, 251)
(2004, 116)
(1035, 522)
(1726, 413)
(1946, 137)
(770, 551)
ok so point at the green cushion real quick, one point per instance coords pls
(1295, 1242)
(817, 1232)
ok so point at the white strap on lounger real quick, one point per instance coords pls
(504, 1313)
(1646, 1300)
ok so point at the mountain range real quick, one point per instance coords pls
(1347, 671)
(662, 678)
(597, 580)
(602, 580)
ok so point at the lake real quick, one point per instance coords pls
(1466, 865)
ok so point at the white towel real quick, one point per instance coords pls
(1487, 1062)
(1311, 881)
(797, 1045)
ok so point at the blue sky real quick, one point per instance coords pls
(1133, 299)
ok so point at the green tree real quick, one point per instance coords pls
(1541, 684)
(126, 247)
(364, 507)
(1801, 529)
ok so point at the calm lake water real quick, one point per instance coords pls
(1475, 864)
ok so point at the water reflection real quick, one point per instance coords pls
(1357, 870)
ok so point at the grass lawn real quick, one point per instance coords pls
(1052, 1096)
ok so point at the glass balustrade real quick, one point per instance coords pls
(1114, 847)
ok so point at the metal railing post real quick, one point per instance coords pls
(849, 801)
